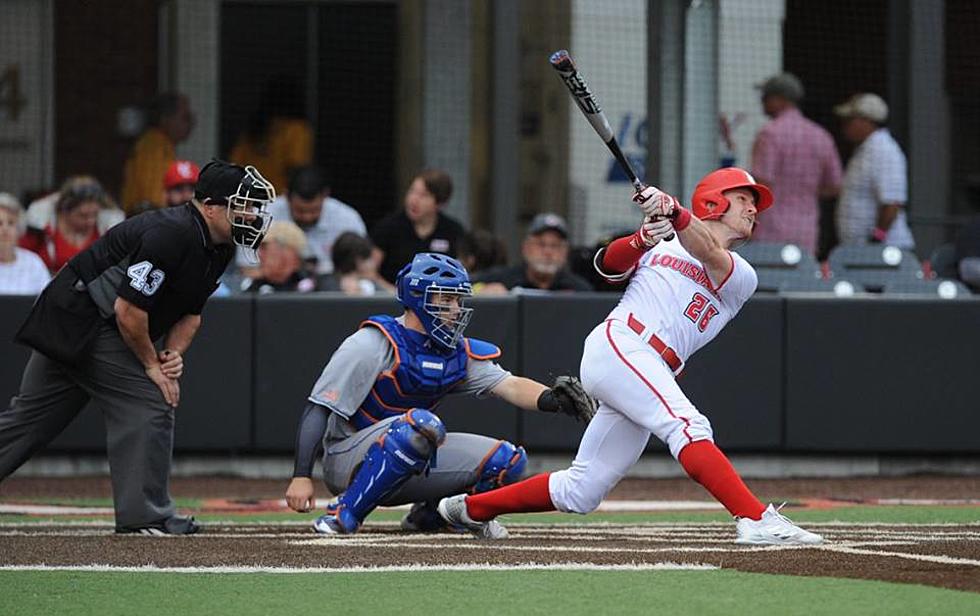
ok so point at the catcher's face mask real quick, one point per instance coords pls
(247, 211)
(445, 313)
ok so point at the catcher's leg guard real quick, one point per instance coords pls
(502, 465)
(407, 448)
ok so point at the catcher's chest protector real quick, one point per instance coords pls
(420, 377)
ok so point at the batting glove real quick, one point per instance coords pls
(655, 203)
(654, 230)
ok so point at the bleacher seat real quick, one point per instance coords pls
(838, 287)
(773, 279)
(778, 264)
(946, 289)
(942, 261)
(872, 256)
(777, 255)
(874, 266)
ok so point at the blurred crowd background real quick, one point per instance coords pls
(389, 128)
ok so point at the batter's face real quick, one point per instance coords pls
(306, 212)
(741, 213)
(545, 253)
(420, 204)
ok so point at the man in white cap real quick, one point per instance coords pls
(875, 190)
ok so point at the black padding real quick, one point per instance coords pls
(883, 375)
(215, 411)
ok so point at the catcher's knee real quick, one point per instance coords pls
(419, 432)
(502, 465)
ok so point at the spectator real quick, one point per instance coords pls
(42, 212)
(967, 254)
(21, 271)
(480, 250)
(322, 218)
(875, 191)
(179, 182)
(278, 139)
(797, 158)
(355, 268)
(74, 226)
(170, 123)
(421, 226)
(281, 265)
(545, 252)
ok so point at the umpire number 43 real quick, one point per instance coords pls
(144, 278)
(700, 311)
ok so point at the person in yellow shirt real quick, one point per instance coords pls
(170, 123)
(279, 138)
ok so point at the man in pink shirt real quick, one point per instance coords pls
(798, 160)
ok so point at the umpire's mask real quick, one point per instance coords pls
(246, 194)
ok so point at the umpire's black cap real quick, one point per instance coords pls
(218, 180)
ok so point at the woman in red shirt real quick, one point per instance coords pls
(74, 226)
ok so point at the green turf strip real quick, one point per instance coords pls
(892, 514)
(676, 593)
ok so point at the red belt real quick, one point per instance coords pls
(667, 353)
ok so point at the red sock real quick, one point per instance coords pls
(521, 497)
(707, 465)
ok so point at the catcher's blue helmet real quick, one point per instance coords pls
(434, 286)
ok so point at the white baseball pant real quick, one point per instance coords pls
(637, 395)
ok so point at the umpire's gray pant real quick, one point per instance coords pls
(139, 423)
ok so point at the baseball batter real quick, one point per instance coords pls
(372, 409)
(682, 293)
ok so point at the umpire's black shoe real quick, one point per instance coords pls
(176, 525)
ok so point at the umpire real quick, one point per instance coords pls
(93, 329)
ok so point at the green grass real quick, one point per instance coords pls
(892, 514)
(676, 593)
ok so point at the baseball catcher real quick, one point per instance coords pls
(372, 409)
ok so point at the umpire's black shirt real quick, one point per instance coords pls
(162, 261)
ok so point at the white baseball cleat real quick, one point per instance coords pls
(453, 510)
(773, 529)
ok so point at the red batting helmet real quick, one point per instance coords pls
(708, 201)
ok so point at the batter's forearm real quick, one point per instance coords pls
(182, 333)
(134, 328)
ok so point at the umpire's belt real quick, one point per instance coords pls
(667, 353)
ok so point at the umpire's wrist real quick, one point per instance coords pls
(547, 402)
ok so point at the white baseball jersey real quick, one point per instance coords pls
(672, 296)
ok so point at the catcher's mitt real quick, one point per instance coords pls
(569, 397)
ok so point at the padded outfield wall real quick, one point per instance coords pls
(789, 375)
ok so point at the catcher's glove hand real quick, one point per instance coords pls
(569, 397)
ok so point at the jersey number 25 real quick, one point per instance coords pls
(700, 311)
